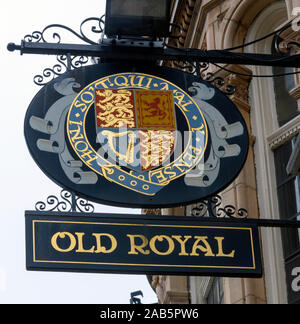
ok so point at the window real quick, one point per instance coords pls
(288, 191)
(288, 187)
(286, 105)
(216, 292)
(275, 121)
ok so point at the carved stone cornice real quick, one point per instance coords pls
(284, 133)
(184, 14)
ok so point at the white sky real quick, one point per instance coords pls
(22, 183)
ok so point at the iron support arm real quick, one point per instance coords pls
(152, 54)
(269, 223)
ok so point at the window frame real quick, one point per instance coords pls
(269, 136)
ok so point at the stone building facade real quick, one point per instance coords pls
(271, 108)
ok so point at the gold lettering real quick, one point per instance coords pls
(80, 244)
(102, 82)
(186, 104)
(132, 79)
(140, 248)
(165, 86)
(161, 238)
(102, 249)
(148, 84)
(62, 235)
(75, 122)
(196, 150)
(77, 131)
(199, 129)
(180, 96)
(170, 173)
(91, 155)
(78, 104)
(82, 149)
(123, 83)
(203, 248)
(182, 163)
(159, 176)
(190, 157)
(178, 238)
(87, 100)
(220, 249)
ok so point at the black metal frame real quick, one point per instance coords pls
(71, 56)
(120, 25)
(91, 34)
(210, 209)
(157, 54)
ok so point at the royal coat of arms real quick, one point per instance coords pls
(143, 139)
(136, 128)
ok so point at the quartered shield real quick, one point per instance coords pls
(136, 128)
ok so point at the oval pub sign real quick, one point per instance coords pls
(136, 136)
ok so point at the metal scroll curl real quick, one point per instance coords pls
(67, 202)
(65, 63)
(90, 29)
(200, 69)
(91, 32)
(212, 208)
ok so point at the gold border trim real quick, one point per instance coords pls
(145, 225)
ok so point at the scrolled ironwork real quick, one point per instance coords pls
(53, 203)
(96, 27)
(84, 205)
(200, 210)
(212, 208)
(185, 66)
(78, 61)
(67, 202)
(35, 37)
(90, 32)
(219, 82)
(51, 73)
(200, 69)
(64, 64)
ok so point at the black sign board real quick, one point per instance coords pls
(139, 244)
(137, 136)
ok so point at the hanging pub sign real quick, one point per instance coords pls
(140, 244)
(136, 136)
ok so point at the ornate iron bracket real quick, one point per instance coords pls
(212, 208)
(200, 69)
(91, 32)
(96, 28)
(69, 203)
(65, 63)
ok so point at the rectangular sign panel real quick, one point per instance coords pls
(140, 244)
